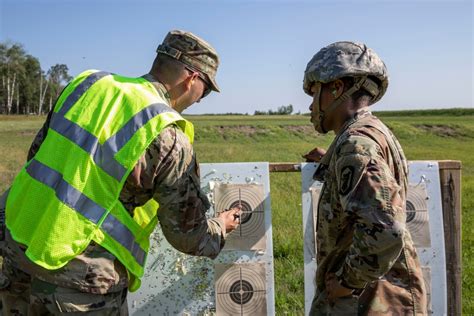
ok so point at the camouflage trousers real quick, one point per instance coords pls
(347, 305)
(42, 298)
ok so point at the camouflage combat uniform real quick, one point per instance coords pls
(361, 233)
(167, 172)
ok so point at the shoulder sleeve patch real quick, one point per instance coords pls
(347, 175)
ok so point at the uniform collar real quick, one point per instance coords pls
(160, 88)
(324, 163)
(357, 116)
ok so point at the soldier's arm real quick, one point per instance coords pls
(39, 138)
(41, 135)
(371, 198)
(168, 173)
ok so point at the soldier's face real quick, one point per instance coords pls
(194, 94)
(199, 88)
(315, 106)
(206, 86)
(322, 99)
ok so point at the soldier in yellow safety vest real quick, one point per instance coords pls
(113, 158)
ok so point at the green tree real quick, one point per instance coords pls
(281, 110)
(29, 87)
(24, 86)
(285, 110)
(12, 58)
(58, 77)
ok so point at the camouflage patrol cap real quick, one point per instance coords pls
(194, 52)
(347, 59)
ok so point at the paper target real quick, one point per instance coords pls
(250, 235)
(417, 215)
(427, 278)
(240, 289)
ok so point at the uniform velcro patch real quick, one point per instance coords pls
(347, 173)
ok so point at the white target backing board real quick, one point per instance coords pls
(424, 220)
(310, 192)
(427, 278)
(425, 175)
(178, 284)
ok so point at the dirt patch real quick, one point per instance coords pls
(227, 131)
(300, 129)
(245, 130)
(28, 133)
(442, 130)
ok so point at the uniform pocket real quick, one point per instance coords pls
(108, 304)
(346, 305)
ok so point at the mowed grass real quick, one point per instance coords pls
(285, 139)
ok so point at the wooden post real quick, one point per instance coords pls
(450, 178)
(450, 182)
(285, 167)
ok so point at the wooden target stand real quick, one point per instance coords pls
(450, 178)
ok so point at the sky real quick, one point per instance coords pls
(264, 46)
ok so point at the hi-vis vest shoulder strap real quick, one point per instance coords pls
(68, 194)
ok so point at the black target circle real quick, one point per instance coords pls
(241, 292)
(246, 210)
(410, 211)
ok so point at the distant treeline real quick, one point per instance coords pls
(281, 110)
(24, 87)
(218, 114)
(434, 112)
(450, 112)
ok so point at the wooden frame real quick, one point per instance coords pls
(450, 178)
(450, 181)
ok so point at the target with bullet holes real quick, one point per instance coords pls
(250, 235)
(239, 281)
(240, 289)
(417, 215)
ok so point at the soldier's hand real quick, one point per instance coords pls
(334, 289)
(315, 155)
(231, 218)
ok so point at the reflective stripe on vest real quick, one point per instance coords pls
(139, 125)
(103, 155)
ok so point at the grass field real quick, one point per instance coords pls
(425, 136)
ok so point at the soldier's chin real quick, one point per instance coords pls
(318, 128)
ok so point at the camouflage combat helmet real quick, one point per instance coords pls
(347, 59)
(194, 52)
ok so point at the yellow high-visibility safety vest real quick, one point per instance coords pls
(68, 194)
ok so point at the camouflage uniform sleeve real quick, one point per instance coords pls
(169, 173)
(3, 205)
(371, 199)
(39, 138)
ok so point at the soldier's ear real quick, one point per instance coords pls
(190, 80)
(337, 88)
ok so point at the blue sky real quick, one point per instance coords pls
(264, 45)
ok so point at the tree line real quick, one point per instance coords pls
(25, 88)
(281, 110)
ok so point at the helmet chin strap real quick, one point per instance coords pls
(345, 96)
(319, 128)
(321, 119)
